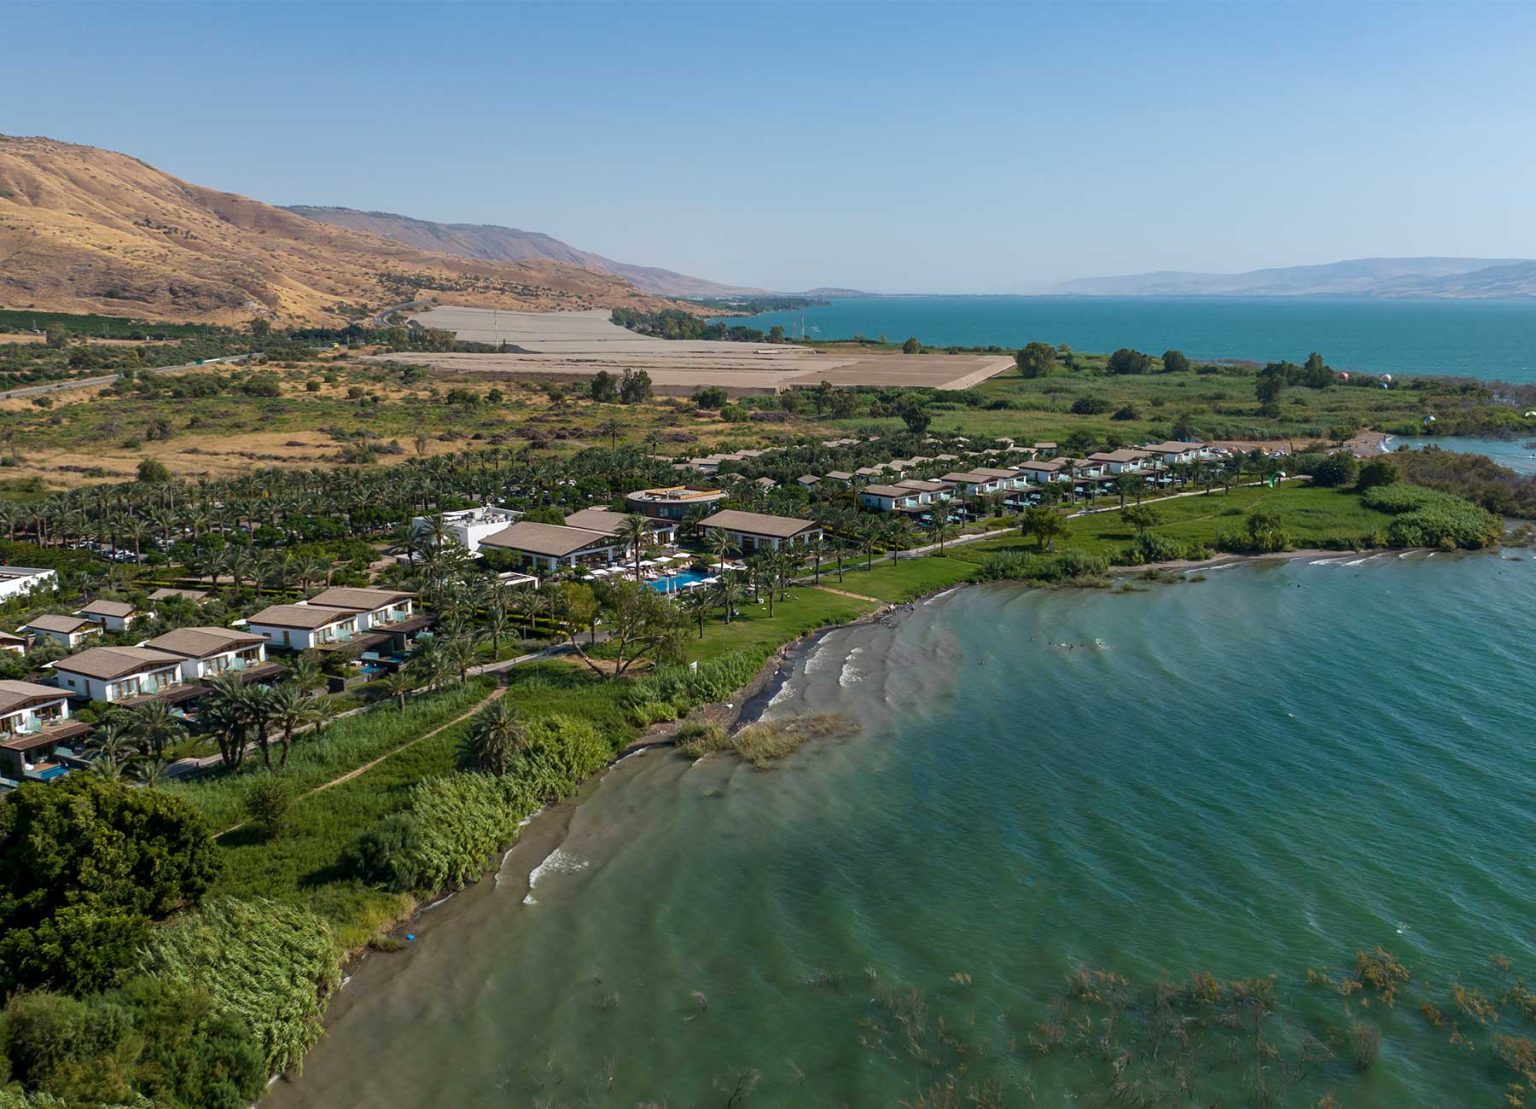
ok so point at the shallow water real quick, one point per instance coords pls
(1476, 338)
(1251, 774)
(1515, 454)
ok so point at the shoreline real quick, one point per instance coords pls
(543, 834)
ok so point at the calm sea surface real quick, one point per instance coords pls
(1478, 338)
(1252, 774)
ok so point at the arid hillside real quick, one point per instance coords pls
(501, 244)
(89, 230)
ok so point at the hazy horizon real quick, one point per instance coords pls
(963, 148)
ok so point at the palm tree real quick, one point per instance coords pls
(155, 726)
(498, 626)
(113, 747)
(697, 603)
(290, 710)
(460, 650)
(869, 540)
(151, 772)
(305, 673)
(435, 666)
(721, 545)
(224, 712)
(728, 594)
(259, 703)
(495, 738)
(634, 532)
(817, 550)
(400, 684)
(941, 530)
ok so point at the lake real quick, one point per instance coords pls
(1475, 338)
(1252, 775)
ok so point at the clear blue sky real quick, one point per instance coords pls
(939, 147)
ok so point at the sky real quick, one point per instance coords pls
(893, 147)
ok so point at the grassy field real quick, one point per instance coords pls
(329, 413)
(806, 610)
(905, 578)
(303, 866)
(1221, 406)
(1313, 517)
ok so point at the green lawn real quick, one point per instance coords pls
(905, 578)
(806, 610)
(303, 866)
(1314, 518)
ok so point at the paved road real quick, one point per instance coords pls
(381, 321)
(108, 379)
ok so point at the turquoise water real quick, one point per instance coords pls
(1478, 338)
(1253, 774)
(1514, 454)
(676, 583)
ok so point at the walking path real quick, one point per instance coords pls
(367, 766)
(845, 593)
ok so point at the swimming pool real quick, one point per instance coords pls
(676, 583)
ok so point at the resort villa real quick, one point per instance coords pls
(1174, 453)
(468, 526)
(672, 502)
(17, 644)
(1123, 461)
(208, 652)
(113, 616)
(548, 548)
(34, 721)
(299, 627)
(757, 531)
(889, 498)
(588, 538)
(375, 608)
(124, 675)
(67, 631)
(15, 581)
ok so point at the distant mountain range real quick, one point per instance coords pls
(90, 230)
(1449, 278)
(509, 244)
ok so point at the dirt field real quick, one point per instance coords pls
(568, 346)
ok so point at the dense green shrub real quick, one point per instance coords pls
(85, 865)
(686, 687)
(458, 821)
(1152, 547)
(1337, 470)
(454, 823)
(153, 1039)
(1429, 518)
(1068, 566)
(647, 713)
(269, 964)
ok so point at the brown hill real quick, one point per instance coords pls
(89, 230)
(500, 244)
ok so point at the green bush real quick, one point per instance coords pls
(1152, 547)
(652, 712)
(1068, 566)
(267, 804)
(455, 822)
(686, 687)
(269, 964)
(1429, 518)
(85, 865)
